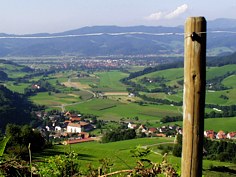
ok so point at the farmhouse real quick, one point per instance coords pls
(152, 130)
(75, 119)
(132, 125)
(231, 135)
(221, 135)
(73, 128)
(142, 128)
(86, 126)
(210, 134)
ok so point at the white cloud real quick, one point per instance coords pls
(178, 11)
(168, 15)
(155, 16)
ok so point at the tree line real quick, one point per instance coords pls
(118, 135)
(221, 150)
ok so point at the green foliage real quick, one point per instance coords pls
(139, 152)
(14, 167)
(21, 136)
(224, 151)
(3, 144)
(61, 166)
(177, 150)
(146, 168)
(14, 108)
(3, 76)
(118, 135)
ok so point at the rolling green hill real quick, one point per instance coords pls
(224, 75)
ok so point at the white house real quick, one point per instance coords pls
(57, 128)
(131, 125)
(73, 128)
(231, 135)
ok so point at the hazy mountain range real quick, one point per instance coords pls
(114, 40)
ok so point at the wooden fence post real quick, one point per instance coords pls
(194, 96)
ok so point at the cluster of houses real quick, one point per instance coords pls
(163, 131)
(220, 135)
(76, 125)
(168, 131)
(73, 127)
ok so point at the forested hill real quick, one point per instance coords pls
(14, 108)
(211, 61)
(221, 61)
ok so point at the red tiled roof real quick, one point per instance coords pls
(161, 135)
(74, 125)
(75, 119)
(152, 129)
(83, 123)
(79, 141)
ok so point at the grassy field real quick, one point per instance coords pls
(93, 81)
(178, 73)
(217, 124)
(118, 152)
(173, 75)
(120, 155)
(214, 97)
(219, 71)
(55, 99)
(110, 81)
(19, 87)
(230, 81)
(114, 110)
(101, 81)
(169, 74)
(13, 71)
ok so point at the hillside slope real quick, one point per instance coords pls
(14, 108)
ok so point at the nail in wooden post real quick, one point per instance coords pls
(194, 96)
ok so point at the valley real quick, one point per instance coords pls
(133, 94)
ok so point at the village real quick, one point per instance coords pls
(71, 128)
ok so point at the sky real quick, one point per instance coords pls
(51, 16)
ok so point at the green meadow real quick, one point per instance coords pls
(110, 81)
(219, 71)
(215, 97)
(92, 80)
(17, 87)
(169, 74)
(226, 124)
(176, 74)
(120, 156)
(118, 152)
(108, 109)
(55, 99)
(230, 81)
